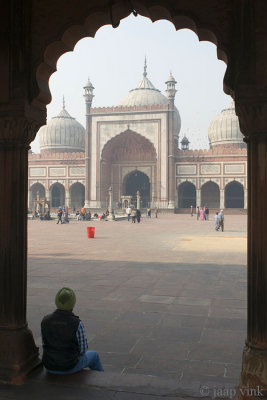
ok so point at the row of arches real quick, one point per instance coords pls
(210, 195)
(57, 194)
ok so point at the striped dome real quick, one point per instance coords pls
(224, 129)
(62, 134)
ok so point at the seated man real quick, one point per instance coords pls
(65, 348)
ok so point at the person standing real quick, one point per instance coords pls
(202, 214)
(138, 216)
(221, 220)
(198, 213)
(207, 213)
(59, 215)
(156, 212)
(191, 211)
(65, 347)
(133, 215)
(128, 212)
(216, 221)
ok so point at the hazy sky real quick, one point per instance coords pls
(114, 61)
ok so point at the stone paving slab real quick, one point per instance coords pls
(166, 297)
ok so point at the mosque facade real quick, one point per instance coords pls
(135, 146)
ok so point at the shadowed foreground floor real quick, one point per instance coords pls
(163, 302)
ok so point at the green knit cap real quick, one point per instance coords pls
(65, 299)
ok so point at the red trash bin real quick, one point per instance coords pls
(90, 232)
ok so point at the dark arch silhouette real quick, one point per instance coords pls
(77, 192)
(234, 195)
(37, 187)
(186, 195)
(71, 31)
(135, 181)
(57, 195)
(210, 195)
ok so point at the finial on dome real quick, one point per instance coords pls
(145, 67)
(63, 102)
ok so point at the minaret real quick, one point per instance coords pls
(171, 91)
(88, 96)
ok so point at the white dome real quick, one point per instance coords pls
(62, 134)
(145, 94)
(224, 129)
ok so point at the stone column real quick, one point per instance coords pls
(221, 199)
(29, 199)
(47, 194)
(18, 353)
(253, 124)
(138, 205)
(67, 198)
(110, 195)
(171, 91)
(245, 199)
(88, 96)
(198, 197)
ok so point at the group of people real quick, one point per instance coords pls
(134, 214)
(83, 215)
(202, 213)
(62, 215)
(219, 221)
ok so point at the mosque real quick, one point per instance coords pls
(135, 146)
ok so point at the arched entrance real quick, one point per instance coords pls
(186, 195)
(234, 195)
(57, 195)
(210, 195)
(77, 195)
(37, 189)
(119, 155)
(135, 181)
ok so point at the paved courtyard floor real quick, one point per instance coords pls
(163, 300)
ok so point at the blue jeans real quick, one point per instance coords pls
(90, 359)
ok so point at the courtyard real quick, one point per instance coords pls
(161, 301)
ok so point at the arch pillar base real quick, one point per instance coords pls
(253, 383)
(19, 355)
(171, 205)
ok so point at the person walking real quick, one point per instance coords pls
(138, 216)
(216, 221)
(191, 211)
(156, 210)
(128, 212)
(198, 213)
(207, 213)
(133, 215)
(202, 214)
(59, 215)
(221, 220)
(65, 347)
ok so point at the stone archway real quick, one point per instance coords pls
(125, 152)
(210, 195)
(77, 195)
(186, 195)
(57, 195)
(135, 181)
(36, 189)
(234, 195)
